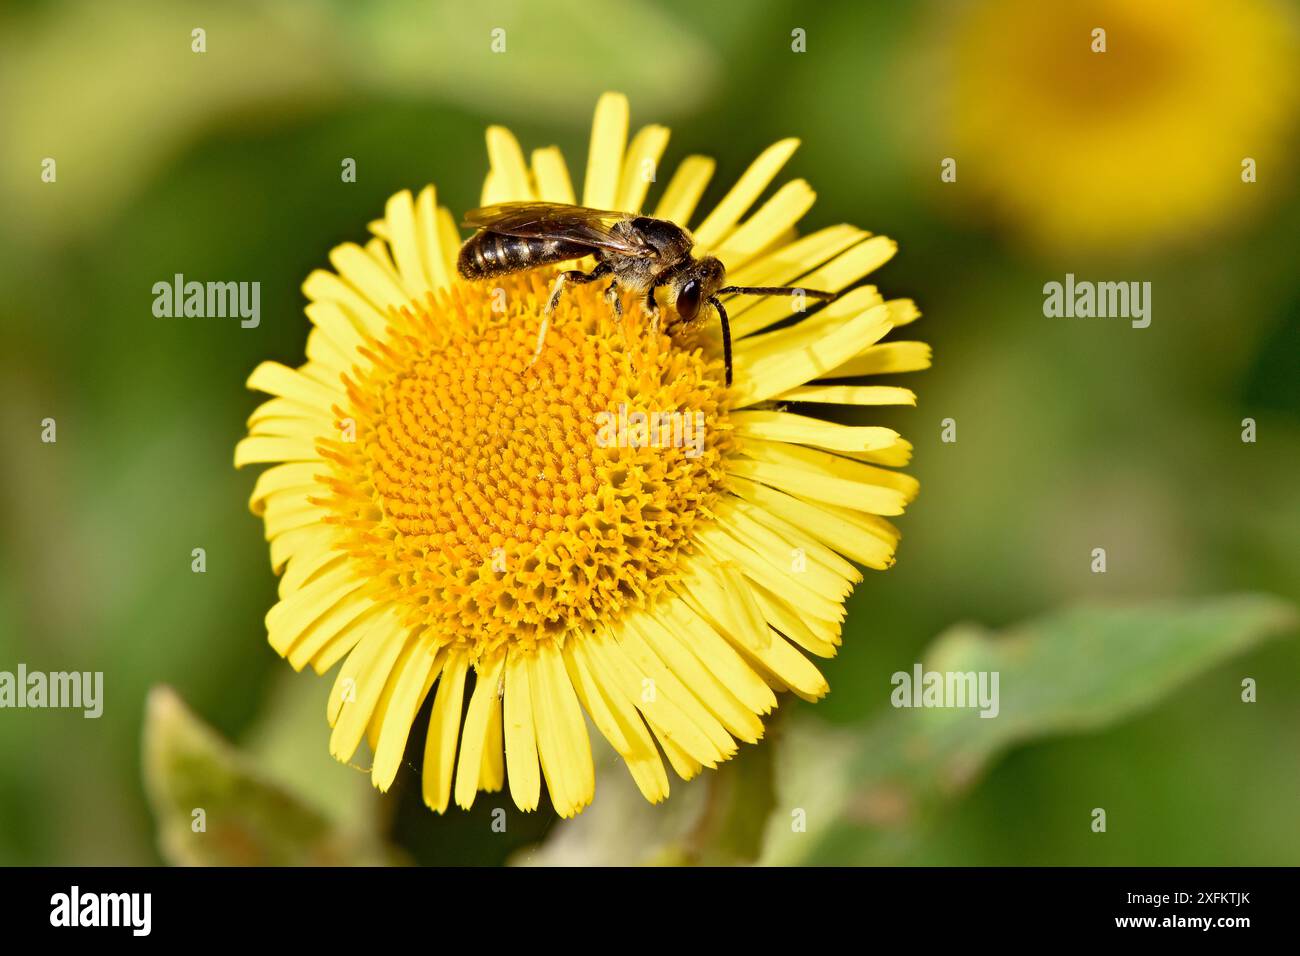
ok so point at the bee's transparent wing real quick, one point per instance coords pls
(552, 220)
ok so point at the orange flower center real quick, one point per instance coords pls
(497, 498)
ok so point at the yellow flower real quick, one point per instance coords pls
(443, 507)
(1142, 142)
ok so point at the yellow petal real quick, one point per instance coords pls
(326, 287)
(444, 729)
(475, 734)
(903, 311)
(723, 592)
(282, 516)
(844, 530)
(287, 619)
(761, 378)
(449, 240)
(801, 429)
(347, 617)
(368, 277)
(552, 176)
(563, 746)
(585, 686)
(331, 319)
(759, 526)
(774, 656)
(355, 696)
(428, 240)
(665, 718)
(305, 430)
(399, 214)
(821, 487)
(725, 549)
(299, 477)
(802, 332)
(410, 673)
(309, 564)
(492, 774)
(850, 395)
(768, 224)
(791, 624)
(821, 571)
(795, 671)
(640, 167)
(785, 263)
(685, 189)
(492, 192)
(742, 195)
(263, 448)
(667, 683)
(683, 764)
(833, 276)
(712, 692)
(605, 157)
(717, 654)
(507, 162)
(520, 736)
(287, 544)
(616, 718)
(281, 408)
(888, 358)
(276, 379)
(835, 465)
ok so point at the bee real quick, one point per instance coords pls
(639, 254)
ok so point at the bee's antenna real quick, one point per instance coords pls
(726, 335)
(778, 290)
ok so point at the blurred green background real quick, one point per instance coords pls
(1072, 434)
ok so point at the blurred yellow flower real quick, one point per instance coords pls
(1103, 121)
(441, 507)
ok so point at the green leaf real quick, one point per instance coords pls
(248, 819)
(863, 793)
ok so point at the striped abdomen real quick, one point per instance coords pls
(486, 254)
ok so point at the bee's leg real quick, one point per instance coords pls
(556, 288)
(614, 299)
(652, 309)
(577, 278)
(571, 276)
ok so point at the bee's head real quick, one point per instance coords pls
(694, 286)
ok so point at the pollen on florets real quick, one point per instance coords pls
(501, 499)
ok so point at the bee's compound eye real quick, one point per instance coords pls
(688, 301)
